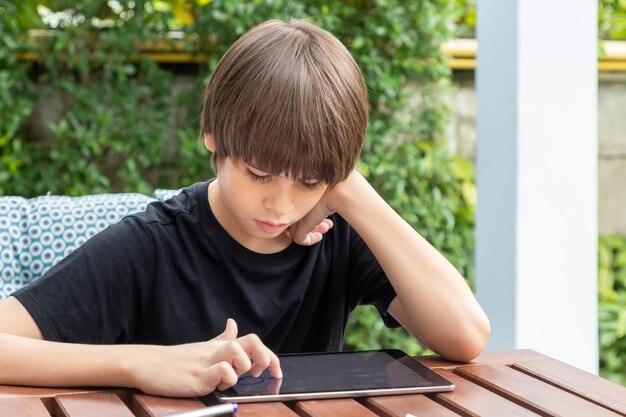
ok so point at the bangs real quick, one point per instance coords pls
(295, 157)
(288, 98)
(290, 135)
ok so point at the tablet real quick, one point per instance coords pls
(338, 374)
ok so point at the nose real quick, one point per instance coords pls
(280, 198)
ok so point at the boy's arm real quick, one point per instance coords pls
(433, 301)
(184, 370)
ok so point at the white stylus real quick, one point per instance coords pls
(214, 410)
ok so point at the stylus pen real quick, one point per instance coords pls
(215, 410)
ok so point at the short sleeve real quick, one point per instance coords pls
(368, 282)
(98, 293)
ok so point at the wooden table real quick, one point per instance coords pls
(507, 383)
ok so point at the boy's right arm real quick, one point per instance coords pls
(182, 371)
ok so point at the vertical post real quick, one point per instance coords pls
(536, 220)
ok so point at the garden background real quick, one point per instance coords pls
(90, 103)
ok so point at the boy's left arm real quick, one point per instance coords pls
(433, 302)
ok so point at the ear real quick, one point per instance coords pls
(209, 143)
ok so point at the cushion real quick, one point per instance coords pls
(37, 233)
(163, 194)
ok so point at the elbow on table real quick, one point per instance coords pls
(467, 345)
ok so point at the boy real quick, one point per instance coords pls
(288, 239)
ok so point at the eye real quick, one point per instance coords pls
(257, 177)
(310, 184)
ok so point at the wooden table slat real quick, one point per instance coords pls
(579, 382)
(144, 405)
(501, 357)
(532, 393)
(23, 407)
(344, 407)
(401, 405)
(95, 404)
(271, 409)
(11, 391)
(473, 400)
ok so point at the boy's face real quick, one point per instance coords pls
(256, 208)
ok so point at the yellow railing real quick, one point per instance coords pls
(462, 54)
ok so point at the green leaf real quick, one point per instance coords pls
(605, 280)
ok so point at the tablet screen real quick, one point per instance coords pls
(333, 372)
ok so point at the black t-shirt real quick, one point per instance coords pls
(173, 275)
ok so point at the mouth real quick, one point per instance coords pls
(271, 228)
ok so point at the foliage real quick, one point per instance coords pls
(433, 192)
(366, 331)
(611, 19)
(16, 99)
(612, 307)
(465, 18)
(111, 105)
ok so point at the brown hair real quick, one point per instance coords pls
(288, 98)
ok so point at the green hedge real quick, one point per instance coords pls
(612, 307)
(111, 105)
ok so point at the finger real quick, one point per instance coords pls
(257, 351)
(234, 354)
(321, 228)
(262, 357)
(324, 226)
(311, 239)
(274, 366)
(221, 376)
(308, 223)
(230, 332)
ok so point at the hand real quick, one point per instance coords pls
(312, 227)
(197, 369)
(312, 237)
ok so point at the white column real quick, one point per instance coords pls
(536, 220)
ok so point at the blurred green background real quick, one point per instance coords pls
(90, 103)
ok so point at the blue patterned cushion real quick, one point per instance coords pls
(37, 233)
(164, 194)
